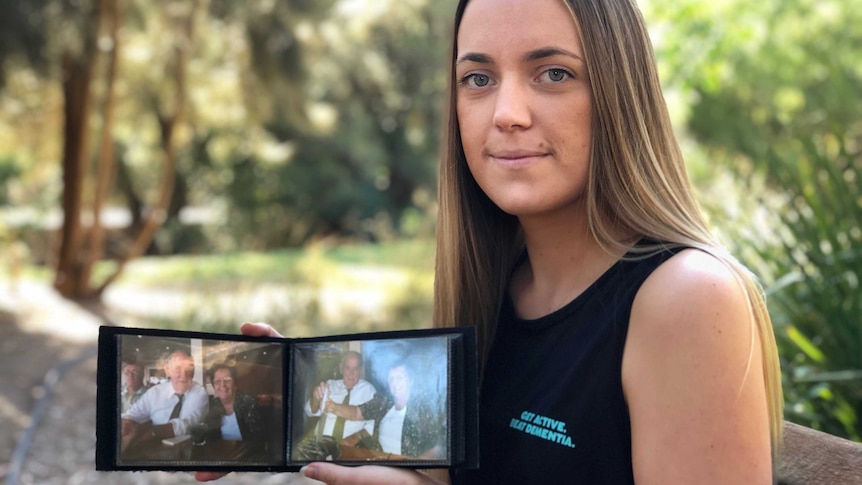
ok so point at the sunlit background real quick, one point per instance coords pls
(276, 161)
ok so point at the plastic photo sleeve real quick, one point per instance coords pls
(371, 400)
(195, 401)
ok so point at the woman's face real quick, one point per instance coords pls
(224, 385)
(524, 104)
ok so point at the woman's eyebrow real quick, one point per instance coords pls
(474, 57)
(533, 55)
(544, 52)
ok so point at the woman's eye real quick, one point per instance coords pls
(556, 75)
(476, 80)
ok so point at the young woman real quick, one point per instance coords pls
(569, 236)
(568, 231)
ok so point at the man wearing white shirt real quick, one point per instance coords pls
(168, 409)
(408, 425)
(322, 442)
(132, 384)
(350, 389)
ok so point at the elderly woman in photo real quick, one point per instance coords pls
(233, 414)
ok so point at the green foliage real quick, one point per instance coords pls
(757, 78)
(305, 118)
(816, 269)
(803, 241)
(22, 42)
(9, 170)
(761, 74)
(363, 164)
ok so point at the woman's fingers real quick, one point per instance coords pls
(259, 329)
(332, 474)
(208, 476)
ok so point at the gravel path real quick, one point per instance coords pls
(39, 331)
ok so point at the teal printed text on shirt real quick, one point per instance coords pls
(542, 427)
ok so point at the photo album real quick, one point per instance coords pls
(176, 400)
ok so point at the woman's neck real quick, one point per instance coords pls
(563, 260)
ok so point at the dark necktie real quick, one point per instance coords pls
(176, 412)
(338, 429)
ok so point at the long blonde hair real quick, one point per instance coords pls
(640, 186)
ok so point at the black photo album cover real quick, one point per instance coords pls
(179, 400)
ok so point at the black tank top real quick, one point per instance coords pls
(552, 409)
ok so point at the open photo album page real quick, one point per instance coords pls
(179, 400)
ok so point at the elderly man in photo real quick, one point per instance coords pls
(168, 409)
(406, 424)
(351, 389)
(133, 384)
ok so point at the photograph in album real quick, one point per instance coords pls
(192, 400)
(180, 400)
(373, 399)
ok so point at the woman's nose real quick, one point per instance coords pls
(512, 107)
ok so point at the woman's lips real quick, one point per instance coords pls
(516, 159)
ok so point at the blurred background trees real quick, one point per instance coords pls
(770, 97)
(265, 125)
(246, 116)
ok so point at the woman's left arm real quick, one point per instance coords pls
(692, 377)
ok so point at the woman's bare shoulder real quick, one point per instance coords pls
(691, 303)
(691, 376)
(690, 281)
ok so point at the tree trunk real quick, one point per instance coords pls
(169, 123)
(78, 254)
(77, 96)
(105, 167)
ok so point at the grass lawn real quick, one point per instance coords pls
(315, 290)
